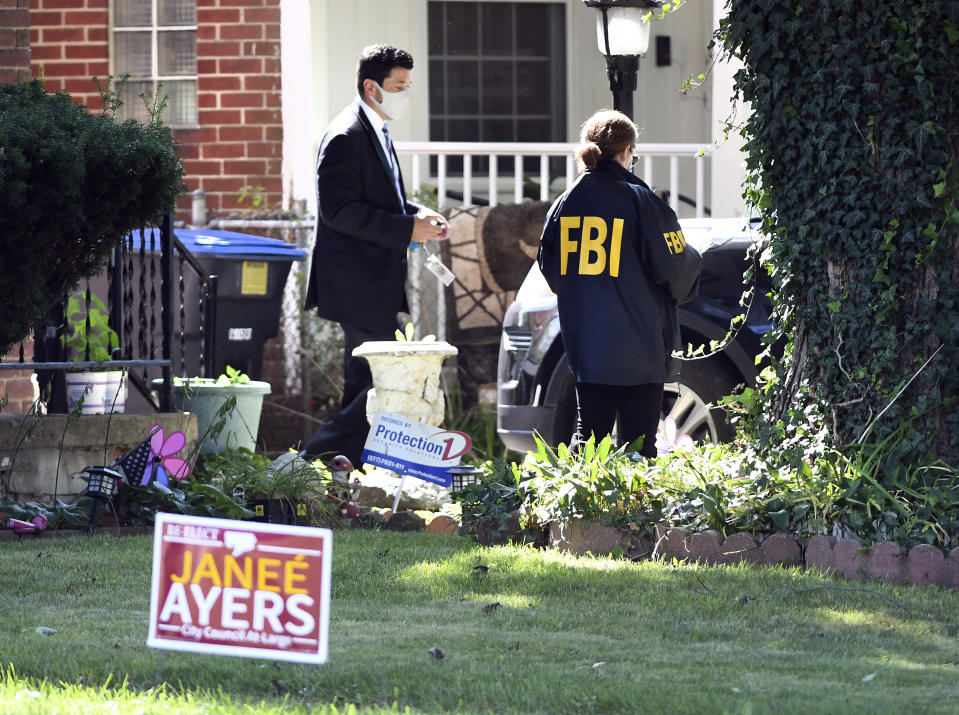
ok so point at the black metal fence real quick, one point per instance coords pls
(153, 311)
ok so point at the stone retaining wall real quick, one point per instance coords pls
(44, 461)
(922, 565)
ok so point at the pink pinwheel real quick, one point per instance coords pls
(163, 464)
(666, 440)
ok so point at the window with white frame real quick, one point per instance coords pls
(154, 42)
(497, 72)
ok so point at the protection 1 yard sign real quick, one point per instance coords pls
(399, 444)
(240, 588)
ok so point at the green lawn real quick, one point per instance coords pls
(570, 635)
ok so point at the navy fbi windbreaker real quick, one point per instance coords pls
(614, 254)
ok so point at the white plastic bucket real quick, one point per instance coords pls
(103, 391)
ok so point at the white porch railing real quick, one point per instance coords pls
(494, 183)
(427, 303)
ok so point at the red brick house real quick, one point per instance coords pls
(217, 60)
(14, 40)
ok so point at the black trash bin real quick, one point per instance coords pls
(251, 274)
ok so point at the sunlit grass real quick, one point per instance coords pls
(27, 696)
(569, 634)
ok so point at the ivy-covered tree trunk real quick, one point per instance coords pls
(854, 138)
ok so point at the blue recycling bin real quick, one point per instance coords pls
(251, 274)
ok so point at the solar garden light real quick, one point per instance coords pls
(622, 36)
(463, 475)
(101, 484)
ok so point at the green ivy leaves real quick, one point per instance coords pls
(854, 139)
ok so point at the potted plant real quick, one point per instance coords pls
(586, 498)
(227, 408)
(88, 337)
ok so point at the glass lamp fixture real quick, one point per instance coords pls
(101, 484)
(620, 29)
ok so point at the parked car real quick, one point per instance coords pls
(536, 390)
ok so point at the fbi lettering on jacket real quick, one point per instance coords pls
(598, 245)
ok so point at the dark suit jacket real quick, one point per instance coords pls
(363, 230)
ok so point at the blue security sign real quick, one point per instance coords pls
(413, 448)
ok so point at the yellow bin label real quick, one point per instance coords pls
(253, 280)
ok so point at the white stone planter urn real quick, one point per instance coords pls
(406, 378)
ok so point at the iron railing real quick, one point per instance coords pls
(158, 332)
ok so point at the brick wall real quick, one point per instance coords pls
(239, 142)
(14, 66)
(14, 40)
(16, 384)
(68, 39)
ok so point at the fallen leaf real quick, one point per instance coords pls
(599, 664)
(869, 677)
(44, 631)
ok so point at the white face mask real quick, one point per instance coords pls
(393, 104)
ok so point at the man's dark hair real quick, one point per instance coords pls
(376, 63)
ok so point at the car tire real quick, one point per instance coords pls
(701, 383)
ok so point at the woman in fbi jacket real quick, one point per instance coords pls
(614, 254)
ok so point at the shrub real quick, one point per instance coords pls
(72, 184)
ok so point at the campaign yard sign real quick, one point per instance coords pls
(414, 448)
(240, 588)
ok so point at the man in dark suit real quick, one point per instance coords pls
(364, 228)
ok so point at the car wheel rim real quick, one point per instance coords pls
(690, 413)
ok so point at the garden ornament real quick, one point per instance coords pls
(34, 526)
(153, 459)
(667, 441)
(342, 492)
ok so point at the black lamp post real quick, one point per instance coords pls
(622, 36)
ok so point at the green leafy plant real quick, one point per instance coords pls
(88, 335)
(137, 505)
(426, 196)
(230, 376)
(592, 482)
(254, 193)
(864, 268)
(731, 488)
(487, 504)
(406, 335)
(249, 476)
(58, 515)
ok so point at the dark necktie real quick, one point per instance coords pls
(393, 167)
